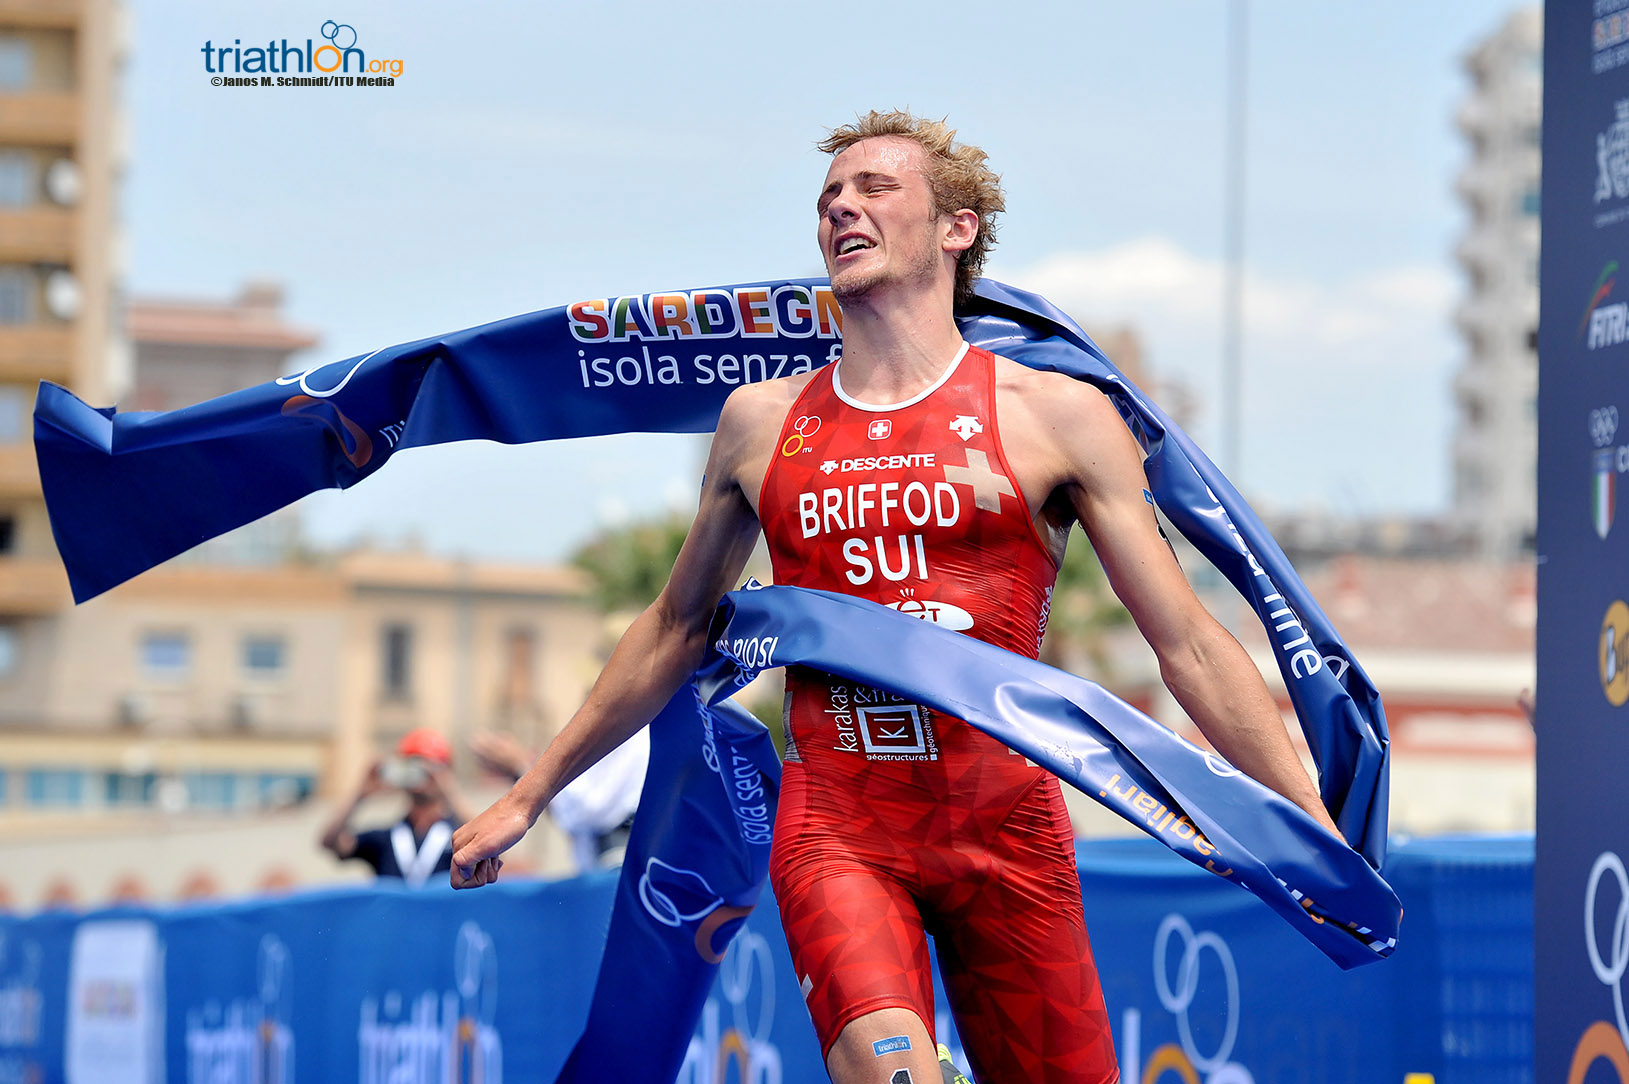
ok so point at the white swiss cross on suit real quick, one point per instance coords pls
(879, 429)
(988, 486)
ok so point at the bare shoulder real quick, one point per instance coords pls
(1053, 402)
(764, 403)
(748, 428)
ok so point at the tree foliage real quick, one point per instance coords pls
(630, 565)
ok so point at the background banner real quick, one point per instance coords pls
(384, 984)
(1582, 896)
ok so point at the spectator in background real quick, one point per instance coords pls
(419, 846)
(596, 810)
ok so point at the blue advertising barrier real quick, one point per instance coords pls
(384, 985)
(1582, 640)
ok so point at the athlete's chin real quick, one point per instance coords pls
(855, 285)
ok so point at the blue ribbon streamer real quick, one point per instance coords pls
(128, 491)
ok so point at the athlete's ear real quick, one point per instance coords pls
(961, 229)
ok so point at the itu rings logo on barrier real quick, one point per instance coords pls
(1183, 1059)
(1601, 1041)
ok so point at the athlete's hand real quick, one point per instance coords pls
(477, 845)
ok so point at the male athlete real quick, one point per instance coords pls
(943, 479)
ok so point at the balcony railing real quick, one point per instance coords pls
(19, 473)
(39, 118)
(37, 235)
(32, 585)
(54, 14)
(30, 352)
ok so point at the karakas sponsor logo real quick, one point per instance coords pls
(1605, 322)
(735, 1038)
(1608, 459)
(879, 724)
(1606, 943)
(437, 1037)
(246, 1039)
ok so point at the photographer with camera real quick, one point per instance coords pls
(418, 846)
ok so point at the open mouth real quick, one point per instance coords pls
(855, 243)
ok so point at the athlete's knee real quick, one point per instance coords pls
(888, 1046)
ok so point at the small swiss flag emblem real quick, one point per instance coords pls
(880, 429)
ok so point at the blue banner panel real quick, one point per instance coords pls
(1582, 897)
(379, 985)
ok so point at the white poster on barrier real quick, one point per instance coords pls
(115, 1026)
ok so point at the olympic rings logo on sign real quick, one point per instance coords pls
(1599, 1041)
(805, 427)
(1177, 1001)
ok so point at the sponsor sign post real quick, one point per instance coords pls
(1581, 895)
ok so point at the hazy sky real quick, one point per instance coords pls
(531, 155)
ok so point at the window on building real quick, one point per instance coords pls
(16, 179)
(129, 788)
(55, 787)
(16, 63)
(8, 650)
(16, 295)
(13, 414)
(211, 790)
(264, 657)
(166, 654)
(277, 790)
(397, 646)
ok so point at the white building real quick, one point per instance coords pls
(1496, 439)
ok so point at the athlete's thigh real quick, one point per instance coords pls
(856, 939)
(1017, 964)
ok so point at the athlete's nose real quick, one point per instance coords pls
(842, 208)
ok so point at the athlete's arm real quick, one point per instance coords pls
(1205, 668)
(660, 650)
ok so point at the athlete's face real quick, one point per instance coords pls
(878, 224)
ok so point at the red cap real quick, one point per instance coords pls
(426, 743)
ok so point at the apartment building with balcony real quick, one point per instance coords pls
(60, 159)
(1495, 447)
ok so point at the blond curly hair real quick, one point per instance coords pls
(956, 175)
